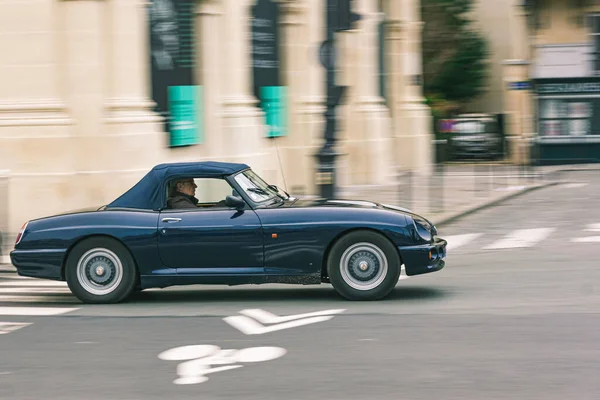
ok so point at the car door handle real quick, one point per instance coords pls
(169, 220)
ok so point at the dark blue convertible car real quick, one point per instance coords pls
(220, 223)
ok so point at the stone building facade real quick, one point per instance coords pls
(79, 122)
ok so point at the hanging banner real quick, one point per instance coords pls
(185, 105)
(274, 100)
(172, 59)
(266, 66)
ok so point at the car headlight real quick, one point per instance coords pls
(425, 230)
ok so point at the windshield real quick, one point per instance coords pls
(257, 189)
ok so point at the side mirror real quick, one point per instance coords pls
(235, 202)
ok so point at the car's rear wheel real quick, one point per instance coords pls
(363, 265)
(100, 270)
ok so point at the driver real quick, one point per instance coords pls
(182, 194)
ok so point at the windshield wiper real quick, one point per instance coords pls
(258, 190)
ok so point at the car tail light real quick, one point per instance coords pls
(20, 235)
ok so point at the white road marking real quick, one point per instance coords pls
(249, 326)
(8, 327)
(17, 277)
(266, 317)
(456, 241)
(188, 352)
(202, 357)
(575, 185)
(403, 273)
(34, 283)
(63, 298)
(593, 228)
(521, 238)
(34, 290)
(510, 188)
(35, 311)
(590, 239)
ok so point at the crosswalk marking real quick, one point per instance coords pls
(36, 311)
(593, 228)
(521, 238)
(590, 239)
(24, 296)
(33, 290)
(15, 277)
(8, 327)
(456, 241)
(575, 185)
(34, 283)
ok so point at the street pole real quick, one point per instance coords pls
(338, 18)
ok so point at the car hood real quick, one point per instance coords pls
(359, 204)
(347, 204)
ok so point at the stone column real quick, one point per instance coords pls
(243, 122)
(368, 142)
(518, 103)
(413, 120)
(210, 73)
(133, 136)
(35, 125)
(295, 150)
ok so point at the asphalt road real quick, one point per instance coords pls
(500, 321)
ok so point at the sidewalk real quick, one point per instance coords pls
(451, 193)
(456, 190)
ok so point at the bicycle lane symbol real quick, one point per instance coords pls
(201, 359)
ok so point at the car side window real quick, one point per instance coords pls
(207, 193)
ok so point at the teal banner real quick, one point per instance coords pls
(186, 109)
(274, 104)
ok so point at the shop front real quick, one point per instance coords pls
(568, 121)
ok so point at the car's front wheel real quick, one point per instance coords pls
(363, 265)
(100, 270)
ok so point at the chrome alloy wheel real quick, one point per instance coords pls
(363, 266)
(99, 271)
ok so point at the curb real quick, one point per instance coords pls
(463, 213)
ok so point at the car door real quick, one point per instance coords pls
(213, 240)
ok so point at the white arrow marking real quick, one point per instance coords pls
(266, 317)
(251, 327)
(8, 327)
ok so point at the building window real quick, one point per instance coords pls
(566, 117)
(594, 24)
